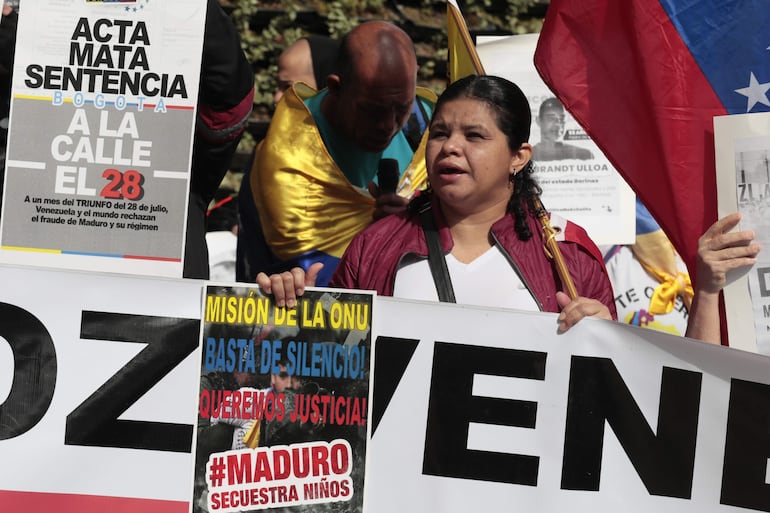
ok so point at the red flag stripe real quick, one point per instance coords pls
(75, 503)
(624, 73)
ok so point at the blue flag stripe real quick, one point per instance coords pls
(729, 40)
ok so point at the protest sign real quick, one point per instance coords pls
(473, 408)
(283, 401)
(579, 183)
(742, 150)
(100, 138)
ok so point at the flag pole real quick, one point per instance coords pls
(456, 22)
(552, 248)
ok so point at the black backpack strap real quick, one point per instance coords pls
(436, 259)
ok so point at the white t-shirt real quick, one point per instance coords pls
(633, 287)
(489, 280)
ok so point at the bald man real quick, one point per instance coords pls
(295, 64)
(309, 60)
(314, 174)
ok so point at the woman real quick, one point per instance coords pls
(480, 205)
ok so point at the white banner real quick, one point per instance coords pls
(98, 391)
(495, 411)
(474, 409)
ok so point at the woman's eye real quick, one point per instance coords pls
(437, 134)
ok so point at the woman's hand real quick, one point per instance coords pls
(721, 251)
(572, 310)
(287, 286)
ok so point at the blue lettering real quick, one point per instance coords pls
(211, 348)
(291, 357)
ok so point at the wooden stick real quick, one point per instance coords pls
(552, 248)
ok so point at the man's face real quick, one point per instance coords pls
(280, 381)
(375, 111)
(551, 124)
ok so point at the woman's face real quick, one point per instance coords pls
(468, 158)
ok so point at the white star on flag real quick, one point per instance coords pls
(756, 92)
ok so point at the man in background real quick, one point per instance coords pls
(309, 60)
(314, 174)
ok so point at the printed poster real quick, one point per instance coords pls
(578, 181)
(283, 406)
(743, 183)
(100, 139)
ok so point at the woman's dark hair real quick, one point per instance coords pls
(514, 118)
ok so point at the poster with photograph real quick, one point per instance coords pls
(283, 406)
(742, 148)
(100, 139)
(578, 181)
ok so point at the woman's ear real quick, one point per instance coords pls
(520, 159)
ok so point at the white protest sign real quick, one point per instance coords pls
(742, 150)
(100, 139)
(578, 181)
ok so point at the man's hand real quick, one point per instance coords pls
(386, 204)
(287, 286)
(720, 251)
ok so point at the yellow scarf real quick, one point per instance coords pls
(304, 200)
(658, 257)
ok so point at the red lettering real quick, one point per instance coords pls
(319, 457)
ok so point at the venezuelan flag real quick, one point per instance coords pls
(645, 79)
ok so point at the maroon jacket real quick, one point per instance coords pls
(373, 256)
